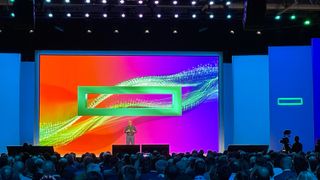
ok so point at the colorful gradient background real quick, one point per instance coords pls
(60, 75)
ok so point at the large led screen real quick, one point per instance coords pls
(171, 98)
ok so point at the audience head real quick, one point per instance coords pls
(260, 173)
(286, 163)
(306, 175)
(128, 172)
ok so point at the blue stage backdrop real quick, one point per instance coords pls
(316, 85)
(227, 105)
(9, 79)
(251, 99)
(27, 102)
(291, 100)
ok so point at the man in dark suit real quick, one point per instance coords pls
(297, 146)
(130, 131)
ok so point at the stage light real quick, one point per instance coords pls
(48, 1)
(123, 15)
(12, 1)
(175, 2)
(293, 17)
(228, 3)
(259, 32)
(68, 15)
(50, 15)
(140, 2)
(175, 31)
(194, 16)
(156, 2)
(12, 14)
(140, 15)
(211, 2)
(67, 1)
(87, 1)
(87, 15)
(277, 17)
(105, 15)
(89, 31)
(176, 16)
(147, 31)
(104, 1)
(211, 16)
(158, 15)
(307, 22)
(121, 1)
(116, 31)
(193, 3)
(31, 31)
(229, 16)
(231, 31)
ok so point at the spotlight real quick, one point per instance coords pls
(121, 1)
(231, 31)
(194, 16)
(104, 1)
(123, 15)
(175, 31)
(211, 2)
(50, 15)
(307, 22)
(87, 15)
(67, 1)
(48, 1)
(158, 15)
(228, 3)
(147, 31)
(193, 3)
(12, 14)
(259, 32)
(211, 16)
(156, 2)
(140, 15)
(31, 31)
(105, 15)
(140, 2)
(0, 30)
(116, 31)
(174, 2)
(229, 16)
(176, 16)
(87, 1)
(68, 14)
(277, 17)
(293, 17)
(12, 1)
(89, 31)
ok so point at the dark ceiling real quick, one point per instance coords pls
(150, 33)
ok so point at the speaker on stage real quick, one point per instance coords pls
(248, 148)
(161, 148)
(32, 150)
(254, 12)
(123, 149)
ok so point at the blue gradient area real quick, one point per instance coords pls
(316, 86)
(27, 102)
(251, 99)
(291, 76)
(9, 90)
(227, 105)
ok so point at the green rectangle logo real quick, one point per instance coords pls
(174, 110)
(290, 101)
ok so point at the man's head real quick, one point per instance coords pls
(130, 122)
(286, 162)
(129, 172)
(296, 138)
